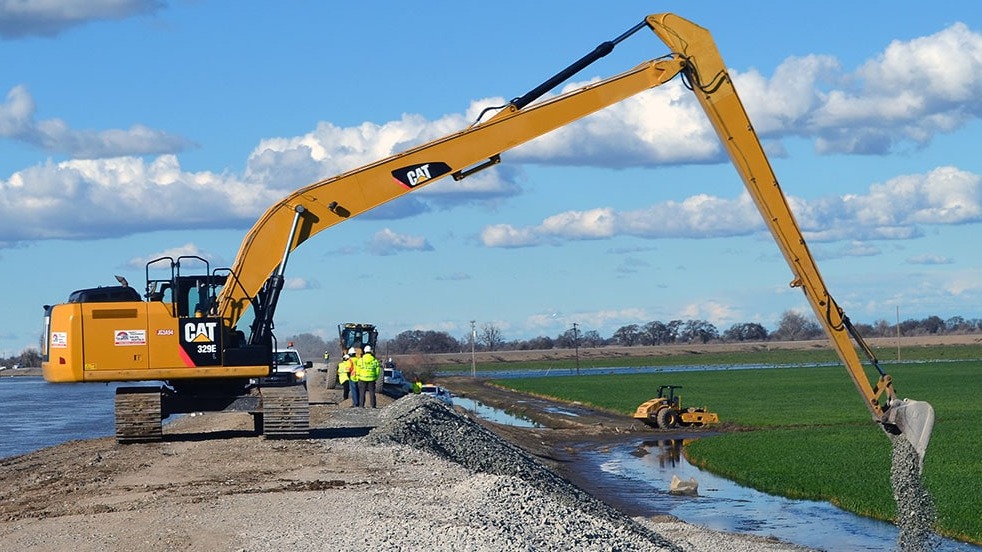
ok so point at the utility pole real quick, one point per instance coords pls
(576, 346)
(473, 360)
(898, 333)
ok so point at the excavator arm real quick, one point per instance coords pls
(709, 80)
(323, 204)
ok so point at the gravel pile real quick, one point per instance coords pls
(524, 487)
(427, 424)
(915, 505)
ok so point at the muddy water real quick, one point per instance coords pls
(36, 414)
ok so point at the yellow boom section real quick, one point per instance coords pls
(337, 199)
(714, 90)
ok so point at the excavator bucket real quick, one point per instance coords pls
(915, 420)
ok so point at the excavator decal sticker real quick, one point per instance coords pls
(59, 340)
(129, 337)
(200, 332)
(185, 358)
(414, 175)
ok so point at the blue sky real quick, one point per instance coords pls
(131, 129)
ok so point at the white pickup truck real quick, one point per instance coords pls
(288, 369)
(394, 381)
(439, 393)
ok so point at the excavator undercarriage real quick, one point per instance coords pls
(278, 412)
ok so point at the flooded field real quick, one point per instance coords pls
(492, 414)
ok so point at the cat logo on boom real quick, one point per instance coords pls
(415, 175)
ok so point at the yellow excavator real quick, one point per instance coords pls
(188, 329)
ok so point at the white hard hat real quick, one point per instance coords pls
(351, 351)
(346, 357)
(368, 348)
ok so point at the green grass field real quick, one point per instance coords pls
(813, 437)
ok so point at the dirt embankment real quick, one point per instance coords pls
(587, 353)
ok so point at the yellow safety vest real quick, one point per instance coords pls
(344, 371)
(353, 370)
(367, 367)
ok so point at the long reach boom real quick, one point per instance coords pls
(695, 56)
(197, 350)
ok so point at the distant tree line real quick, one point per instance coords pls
(792, 326)
(29, 358)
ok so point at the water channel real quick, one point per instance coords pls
(639, 473)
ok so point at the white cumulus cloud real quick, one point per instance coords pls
(906, 94)
(896, 209)
(56, 136)
(122, 196)
(387, 242)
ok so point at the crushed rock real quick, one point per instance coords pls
(916, 513)
(422, 422)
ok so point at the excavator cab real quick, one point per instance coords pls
(188, 294)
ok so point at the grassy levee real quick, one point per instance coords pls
(812, 437)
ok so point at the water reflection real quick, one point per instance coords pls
(36, 414)
(668, 452)
(493, 414)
